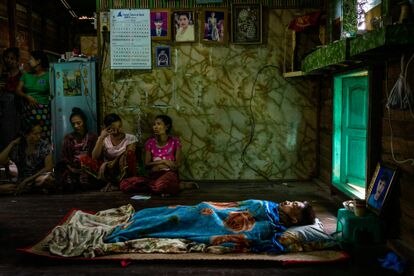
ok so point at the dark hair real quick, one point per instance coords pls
(385, 177)
(12, 50)
(26, 129)
(308, 214)
(111, 118)
(76, 111)
(167, 121)
(184, 13)
(40, 55)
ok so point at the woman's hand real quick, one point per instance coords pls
(16, 141)
(105, 132)
(74, 170)
(31, 100)
(22, 186)
(171, 164)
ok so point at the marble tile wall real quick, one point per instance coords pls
(225, 101)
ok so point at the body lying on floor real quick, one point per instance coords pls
(214, 227)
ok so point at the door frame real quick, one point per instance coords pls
(371, 126)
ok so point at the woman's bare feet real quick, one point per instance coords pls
(8, 189)
(110, 188)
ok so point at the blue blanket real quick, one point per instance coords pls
(250, 225)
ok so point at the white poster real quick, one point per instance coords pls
(130, 39)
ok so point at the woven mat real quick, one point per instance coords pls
(322, 256)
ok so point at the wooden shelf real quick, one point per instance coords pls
(293, 74)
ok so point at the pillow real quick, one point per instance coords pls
(306, 238)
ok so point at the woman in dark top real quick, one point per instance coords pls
(33, 160)
(76, 144)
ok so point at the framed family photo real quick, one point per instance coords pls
(162, 56)
(379, 189)
(214, 26)
(160, 24)
(184, 25)
(246, 23)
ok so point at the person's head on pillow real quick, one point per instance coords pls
(296, 213)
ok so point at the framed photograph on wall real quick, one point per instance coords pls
(246, 23)
(379, 189)
(214, 26)
(160, 24)
(162, 56)
(184, 25)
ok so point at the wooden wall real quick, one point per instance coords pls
(30, 26)
(401, 213)
(325, 131)
(398, 128)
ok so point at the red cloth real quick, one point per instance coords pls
(131, 160)
(162, 182)
(300, 23)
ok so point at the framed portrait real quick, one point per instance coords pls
(214, 26)
(380, 186)
(160, 24)
(184, 25)
(246, 23)
(162, 56)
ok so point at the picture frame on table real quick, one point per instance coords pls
(160, 24)
(214, 26)
(246, 23)
(162, 56)
(184, 25)
(382, 181)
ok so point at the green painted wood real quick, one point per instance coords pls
(350, 127)
(392, 35)
(331, 54)
(354, 130)
(347, 50)
(349, 13)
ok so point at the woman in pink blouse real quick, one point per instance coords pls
(162, 158)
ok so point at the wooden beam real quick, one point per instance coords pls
(11, 12)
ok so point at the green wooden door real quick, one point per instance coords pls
(350, 133)
(354, 130)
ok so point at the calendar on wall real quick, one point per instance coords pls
(130, 39)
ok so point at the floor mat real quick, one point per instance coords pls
(322, 256)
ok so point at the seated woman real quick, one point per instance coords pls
(113, 157)
(241, 226)
(76, 144)
(33, 159)
(162, 158)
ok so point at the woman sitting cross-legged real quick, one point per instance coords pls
(113, 157)
(162, 158)
(33, 161)
(76, 144)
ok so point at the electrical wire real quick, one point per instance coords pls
(104, 54)
(89, 98)
(253, 123)
(403, 75)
